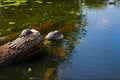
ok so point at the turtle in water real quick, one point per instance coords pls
(54, 36)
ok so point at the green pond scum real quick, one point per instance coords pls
(19, 14)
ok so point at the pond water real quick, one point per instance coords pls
(90, 49)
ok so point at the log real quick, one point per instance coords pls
(20, 49)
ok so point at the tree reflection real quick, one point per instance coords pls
(96, 4)
(64, 16)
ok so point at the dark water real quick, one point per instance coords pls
(94, 54)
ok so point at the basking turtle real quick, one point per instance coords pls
(25, 32)
(54, 36)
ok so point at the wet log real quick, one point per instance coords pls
(25, 46)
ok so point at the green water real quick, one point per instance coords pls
(50, 14)
(90, 49)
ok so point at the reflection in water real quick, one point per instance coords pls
(96, 4)
(48, 73)
(45, 18)
(96, 58)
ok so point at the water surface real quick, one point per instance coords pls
(91, 48)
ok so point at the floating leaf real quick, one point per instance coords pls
(9, 29)
(39, 2)
(49, 2)
(6, 7)
(12, 2)
(11, 22)
(30, 8)
(77, 13)
(29, 69)
(72, 12)
(30, 78)
(8, 1)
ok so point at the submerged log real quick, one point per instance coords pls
(29, 43)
